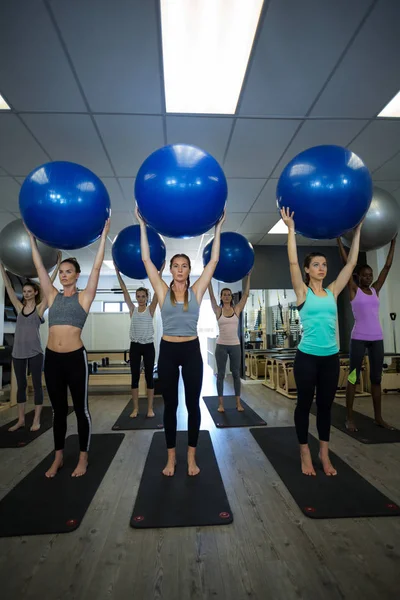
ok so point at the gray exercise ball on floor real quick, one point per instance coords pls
(16, 253)
(381, 222)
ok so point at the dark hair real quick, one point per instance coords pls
(172, 293)
(220, 296)
(36, 288)
(73, 262)
(360, 268)
(307, 262)
(143, 289)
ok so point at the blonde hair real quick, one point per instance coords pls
(172, 293)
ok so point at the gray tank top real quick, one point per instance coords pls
(178, 322)
(27, 338)
(66, 310)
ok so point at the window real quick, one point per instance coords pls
(115, 307)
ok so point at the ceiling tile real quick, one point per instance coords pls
(390, 170)
(129, 140)
(72, 138)
(114, 48)
(266, 202)
(35, 74)
(257, 145)
(377, 143)
(118, 202)
(298, 46)
(19, 152)
(9, 194)
(209, 134)
(242, 193)
(258, 223)
(368, 76)
(315, 133)
(233, 221)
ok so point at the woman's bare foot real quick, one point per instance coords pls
(57, 464)
(307, 467)
(150, 413)
(193, 469)
(381, 423)
(35, 425)
(82, 465)
(350, 426)
(17, 426)
(135, 413)
(239, 407)
(221, 408)
(327, 465)
(169, 469)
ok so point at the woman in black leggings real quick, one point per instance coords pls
(180, 305)
(316, 366)
(142, 342)
(65, 364)
(27, 349)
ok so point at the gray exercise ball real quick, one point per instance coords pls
(16, 253)
(381, 222)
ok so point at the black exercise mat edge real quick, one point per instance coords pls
(16, 436)
(390, 508)
(247, 414)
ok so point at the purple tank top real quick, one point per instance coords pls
(367, 326)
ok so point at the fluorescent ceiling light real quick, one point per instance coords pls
(206, 48)
(279, 227)
(109, 264)
(392, 109)
(3, 104)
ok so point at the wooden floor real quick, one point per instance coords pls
(271, 551)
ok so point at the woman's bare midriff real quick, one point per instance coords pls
(64, 338)
(178, 338)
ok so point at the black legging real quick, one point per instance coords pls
(315, 373)
(64, 370)
(188, 356)
(35, 366)
(136, 351)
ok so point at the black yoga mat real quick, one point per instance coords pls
(181, 500)
(23, 436)
(321, 497)
(232, 417)
(125, 422)
(368, 432)
(38, 505)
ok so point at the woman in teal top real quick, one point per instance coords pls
(316, 366)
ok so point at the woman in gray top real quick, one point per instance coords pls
(27, 349)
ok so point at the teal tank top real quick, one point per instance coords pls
(318, 316)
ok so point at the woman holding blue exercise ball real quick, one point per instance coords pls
(180, 306)
(142, 342)
(316, 366)
(228, 343)
(65, 364)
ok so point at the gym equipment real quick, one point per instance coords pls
(62, 510)
(64, 205)
(126, 422)
(181, 191)
(321, 497)
(381, 222)
(236, 257)
(232, 417)
(127, 255)
(181, 501)
(329, 188)
(16, 251)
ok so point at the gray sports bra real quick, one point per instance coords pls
(66, 310)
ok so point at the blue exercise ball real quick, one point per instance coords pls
(126, 251)
(329, 188)
(236, 258)
(181, 191)
(64, 205)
